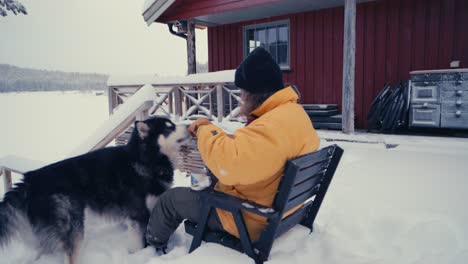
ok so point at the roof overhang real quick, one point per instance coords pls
(251, 11)
(154, 10)
(274, 9)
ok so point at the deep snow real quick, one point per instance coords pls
(385, 205)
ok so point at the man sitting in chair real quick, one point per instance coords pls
(248, 164)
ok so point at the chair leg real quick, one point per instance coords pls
(244, 236)
(201, 228)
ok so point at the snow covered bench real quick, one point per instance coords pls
(305, 181)
(14, 164)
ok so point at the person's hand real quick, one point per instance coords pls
(196, 124)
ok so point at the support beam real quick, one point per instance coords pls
(349, 53)
(220, 102)
(112, 99)
(191, 49)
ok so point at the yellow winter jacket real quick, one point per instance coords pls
(250, 163)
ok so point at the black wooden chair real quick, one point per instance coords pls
(305, 181)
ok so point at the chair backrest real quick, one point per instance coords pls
(306, 176)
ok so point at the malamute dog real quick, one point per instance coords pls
(113, 181)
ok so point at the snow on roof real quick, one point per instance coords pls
(226, 76)
(147, 4)
(153, 9)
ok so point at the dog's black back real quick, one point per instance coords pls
(113, 180)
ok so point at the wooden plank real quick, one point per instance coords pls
(312, 183)
(299, 199)
(380, 46)
(359, 68)
(221, 48)
(300, 60)
(293, 49)
(327, 119)
(112, 99)
(307, 90)
(318, 58)
(237, 43)
(393, 36)
(290, 221)
(326, 125)
(338, 24)
(211, 47)
(404, 47)
(316, 169)
(419, 36)
(349, 51)
(369, 61)
(446, 36)
(460, 52)
(240, 47)
(322, 112)
(215, 49)
(220, 102)
(228, 46)
(328, 55)
(432, 34)
(309, 160)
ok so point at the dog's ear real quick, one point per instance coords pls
(143, 129)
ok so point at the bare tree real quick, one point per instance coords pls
(12, 6)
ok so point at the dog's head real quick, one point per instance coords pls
(161, 135)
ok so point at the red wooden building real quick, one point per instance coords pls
(393, 37)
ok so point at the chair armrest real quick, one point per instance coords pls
(229, 203)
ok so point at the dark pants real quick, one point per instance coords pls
(172, 207)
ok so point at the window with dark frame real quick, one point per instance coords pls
(273, 36)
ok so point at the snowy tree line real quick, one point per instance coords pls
(12, 6)
(16, 79)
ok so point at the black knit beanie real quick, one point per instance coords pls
(259, 73)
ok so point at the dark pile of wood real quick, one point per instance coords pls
(324, 116)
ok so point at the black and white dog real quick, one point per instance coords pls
(113, 181)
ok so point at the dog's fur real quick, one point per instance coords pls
(115, 181)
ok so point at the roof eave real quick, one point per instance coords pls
(156, 10)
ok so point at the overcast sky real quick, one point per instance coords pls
(103, 36)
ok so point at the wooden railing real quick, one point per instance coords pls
(10, 165)
(211, 95)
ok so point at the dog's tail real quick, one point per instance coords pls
(12, 208)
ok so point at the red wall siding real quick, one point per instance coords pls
(393, 38)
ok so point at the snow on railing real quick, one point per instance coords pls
(135, 98)
(182, 98)
(14, 164)
(135, 108)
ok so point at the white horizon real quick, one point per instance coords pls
(104, 37)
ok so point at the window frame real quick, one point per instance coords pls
(245, 46)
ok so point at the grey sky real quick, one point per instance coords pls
(104, 36)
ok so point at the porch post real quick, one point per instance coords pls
(191, 49)
(349, 53)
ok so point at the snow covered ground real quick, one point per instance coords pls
(385, 205)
